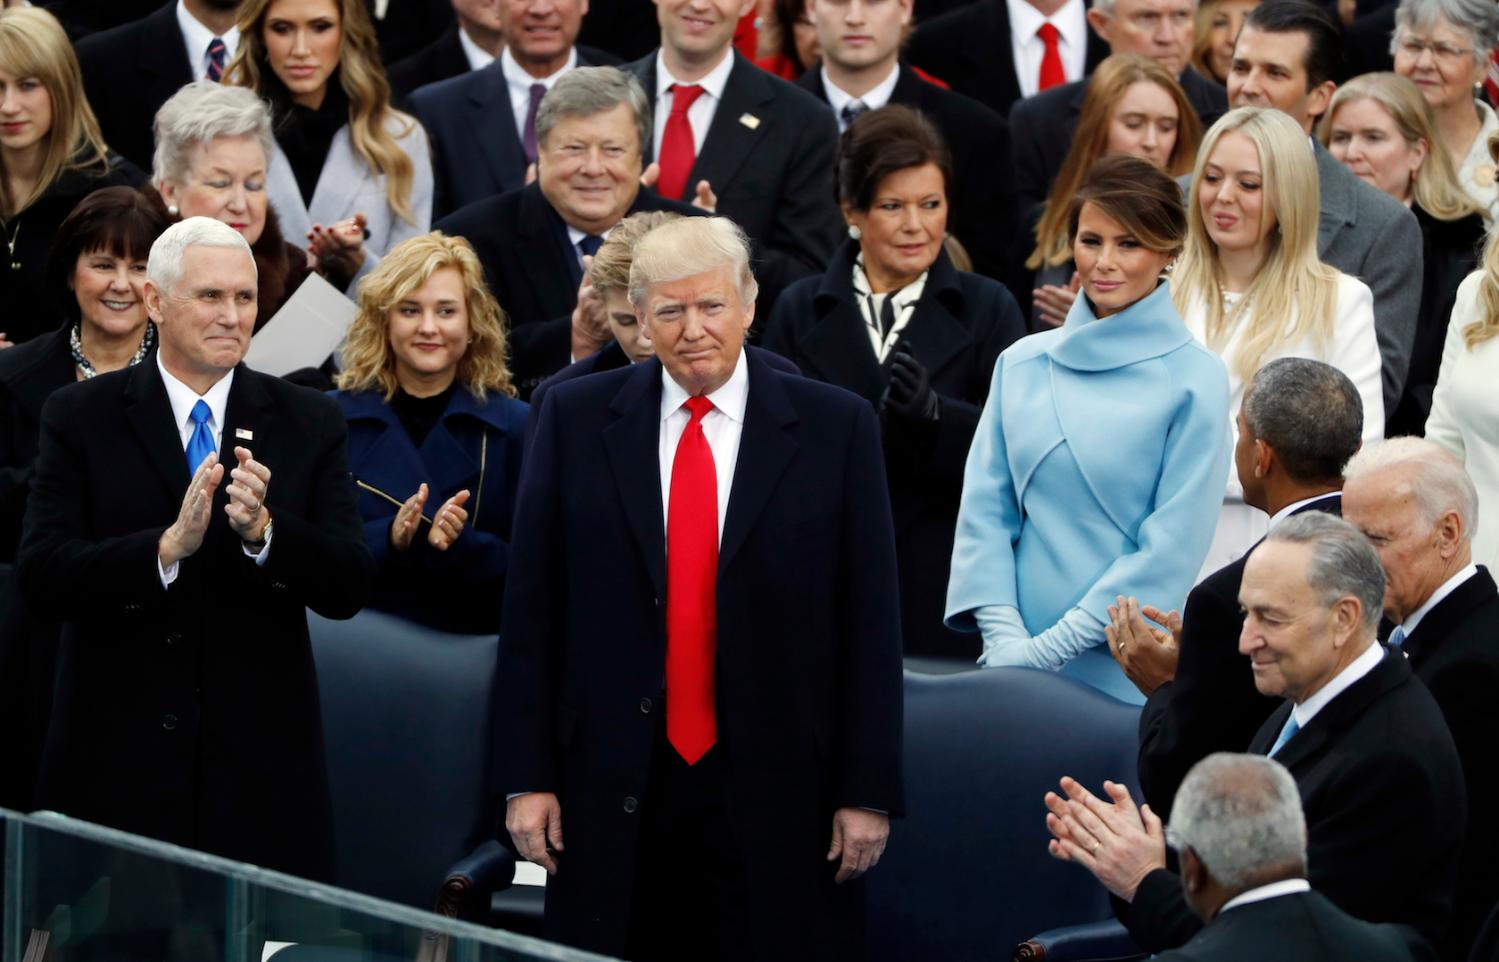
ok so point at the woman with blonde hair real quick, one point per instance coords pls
(1133, 106)
(343, 157)
(1215, 32)
(1382, 129)
(51, 157)
(433, 419)
(1466, 398)
(1250, 287)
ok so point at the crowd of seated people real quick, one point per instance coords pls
(694, 346)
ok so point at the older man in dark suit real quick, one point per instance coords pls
(533, 241)
(1242, 839)
(186, 702)
(731, 137)
(1300, 422)
(1000, 51)
(1372, 757)
(1043, 126)
(483, 123)
(1419, 507)
(861, 70)
(130, 71)
(662, 508)
(472, 43)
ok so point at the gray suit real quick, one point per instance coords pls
(1367, 234)
(1364, 232)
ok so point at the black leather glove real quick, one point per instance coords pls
(909, 395)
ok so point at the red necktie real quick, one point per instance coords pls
(691, 587)
(1052, 73)
(678, 152)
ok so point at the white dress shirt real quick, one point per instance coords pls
(197, 38)
(1437, 597)
(1071, 22)
(722, 426)
(877, 97)
(1264, 893)
(870, 305)
(1295, 506)
(478, 58)
(700, 114)
(1340, 683)
(518, 83)
(183, 399)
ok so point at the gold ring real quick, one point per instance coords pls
(1096, 846)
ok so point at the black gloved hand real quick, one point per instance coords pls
(909, 395)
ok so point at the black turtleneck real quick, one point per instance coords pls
(419, 415)
(305, 135)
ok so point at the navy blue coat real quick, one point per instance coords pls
(808, 654)
(475, 445)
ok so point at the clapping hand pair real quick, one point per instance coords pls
(447, 523)
(246, 508)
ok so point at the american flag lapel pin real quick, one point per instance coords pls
(749, 120)
(244, 434)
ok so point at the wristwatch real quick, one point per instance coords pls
(265, 536)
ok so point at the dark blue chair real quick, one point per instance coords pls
(406, 722)
(966, 875)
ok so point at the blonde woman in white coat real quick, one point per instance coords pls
(1465, 406)
(344, 157)
(1250, 287)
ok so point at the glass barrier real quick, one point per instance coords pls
(77, 892)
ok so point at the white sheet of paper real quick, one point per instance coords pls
(309, 326)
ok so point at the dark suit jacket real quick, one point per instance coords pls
(981, 205)
(1455, 651)
(1364, 232)
(190, 713)
(969, 48)
(957, 331)
(1366, 41)
(1043, 127)
(533, 271)
(1303, 927)
(439, 60)
(29, 373)
(1212, 704)
(1382, 788)
(1450, 251)
(808, 692)
(409, 25)
(475, 445)
(769, 156)
(128, 73)
(627, 28)
(476, 150)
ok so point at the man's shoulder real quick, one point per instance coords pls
(430, 100)
(119, 43)
(489, 219)
(1047, 108)
(295, 399)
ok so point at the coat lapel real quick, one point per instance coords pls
(292, 214)
(342, 177)
(631, 443)
(837, 348)
(765, 449)
(935, 334)
(1336, 207)
(493, 123)
(738, 125)
(1441, 620)
(249, 424)
(547, 274)
(150, 415)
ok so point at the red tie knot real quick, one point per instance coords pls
(683, 95)
(1048, 34)
(698, 407)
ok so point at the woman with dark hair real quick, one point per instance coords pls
(792, 40)
(51, 156)
(95, 272)
(1098, 466)
(894, 321)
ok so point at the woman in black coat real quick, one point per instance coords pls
(894, 321)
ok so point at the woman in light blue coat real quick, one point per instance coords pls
(1097, 467)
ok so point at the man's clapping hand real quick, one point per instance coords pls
(185, 535)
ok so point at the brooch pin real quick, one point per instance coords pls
(1483, 175)
(751, 121)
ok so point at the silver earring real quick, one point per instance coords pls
(172, 210)
(854, 233)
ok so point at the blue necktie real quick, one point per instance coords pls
(1290, 729)
(1397, 637)
(851, 112)
(590, 244)
(200, 445)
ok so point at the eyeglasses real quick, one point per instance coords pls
(1444, 53)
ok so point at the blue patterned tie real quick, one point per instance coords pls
(216, 52)
(1397, 637)
(1290, 729)
(200, 445)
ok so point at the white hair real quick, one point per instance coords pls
(1242, 815)
(164, 266)
(687, 248)
(1343, 563)
(1440, 483)
(200, 113)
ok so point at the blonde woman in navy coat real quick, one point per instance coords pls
(1097, 465)
(894, 321)
(435, 434)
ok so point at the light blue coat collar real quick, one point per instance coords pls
(1148, 328)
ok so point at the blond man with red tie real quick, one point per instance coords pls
(699, 719)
